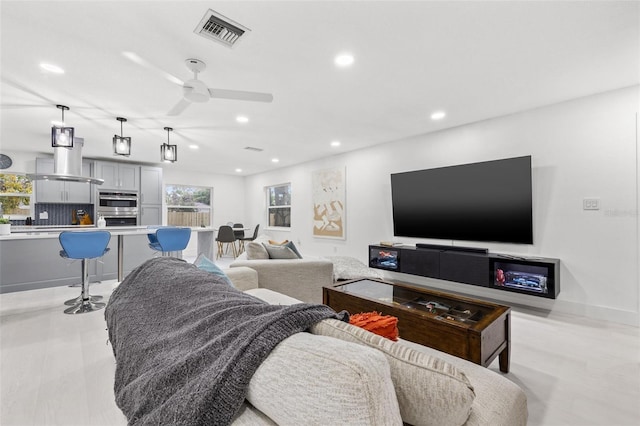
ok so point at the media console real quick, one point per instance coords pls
(532, 276)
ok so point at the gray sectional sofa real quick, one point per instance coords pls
(341, 374)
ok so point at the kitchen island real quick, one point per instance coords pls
(29, 257)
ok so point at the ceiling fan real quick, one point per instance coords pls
(196, 91)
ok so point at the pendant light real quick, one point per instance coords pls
(121, 145)
(62, 136)
(168, 153)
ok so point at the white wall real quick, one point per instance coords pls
(21, 162)
(582, 148)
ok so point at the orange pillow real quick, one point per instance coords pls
(275, 243)
(382, 325)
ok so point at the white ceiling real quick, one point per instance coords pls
(474, 59)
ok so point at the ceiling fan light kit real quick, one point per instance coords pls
(121, 144)
(196, 91)
(168, 152)
(61, 136)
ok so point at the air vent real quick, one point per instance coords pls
(217, 27)
(253, 148)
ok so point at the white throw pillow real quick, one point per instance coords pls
(430, 391)
(255, 250)
(318, 380)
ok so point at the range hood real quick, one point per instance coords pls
(67, 165)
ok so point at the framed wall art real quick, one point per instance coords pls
(329, 203)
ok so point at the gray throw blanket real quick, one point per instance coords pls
(187, 344)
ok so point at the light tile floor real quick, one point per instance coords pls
(58, 369)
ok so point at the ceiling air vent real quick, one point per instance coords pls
(252, 148)
(217, 27)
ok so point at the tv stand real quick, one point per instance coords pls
(452, 248)
(532, 276)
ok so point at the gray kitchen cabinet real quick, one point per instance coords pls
(136, 251)
(18, 269)
(151, 193)
(118, 176)
(52, 191)
(150, 185)
(151, 214)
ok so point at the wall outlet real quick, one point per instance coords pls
(591, 204)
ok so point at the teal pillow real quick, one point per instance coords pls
(202, 262)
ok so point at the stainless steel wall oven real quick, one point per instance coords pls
(118, 208)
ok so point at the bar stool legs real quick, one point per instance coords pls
(78, 299)
(85, 304)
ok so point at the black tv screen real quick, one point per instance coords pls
(488, 201)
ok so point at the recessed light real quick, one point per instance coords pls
(194, 146)
(238, 170)
(344, 60)
(242, 119)
(51, 68)
(438, 115)
(274, 160)
(335, 143)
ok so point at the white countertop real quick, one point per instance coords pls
(40, 232)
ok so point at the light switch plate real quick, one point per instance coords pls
(591, 204)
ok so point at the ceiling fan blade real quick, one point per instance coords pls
(135, 58)
(22, 106)
(27, 90)
(179, 107)
(240, 95)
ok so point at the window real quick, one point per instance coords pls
(279, 206)
(188, 205)
(15, 195)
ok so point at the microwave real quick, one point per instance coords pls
(118, 208)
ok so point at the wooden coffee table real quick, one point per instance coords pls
(473, 329)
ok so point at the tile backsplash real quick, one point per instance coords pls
(59, 214)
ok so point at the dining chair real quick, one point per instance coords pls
(226, 236)
(239, 234)
(250, 238)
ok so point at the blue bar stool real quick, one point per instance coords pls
(84, 245)
(168, 239)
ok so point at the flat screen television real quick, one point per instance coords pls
(489, 201)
